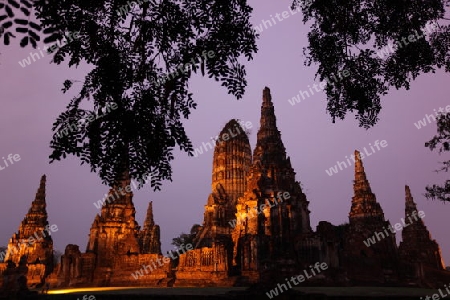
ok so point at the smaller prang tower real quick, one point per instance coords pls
(367, 221)
(33, 240)
(417, 246)
(149, 237)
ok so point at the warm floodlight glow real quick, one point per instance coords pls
(83, 290)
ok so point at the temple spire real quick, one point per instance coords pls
(268, 122)
(259, 215)
(149, 222)
(40, 194)
(410, 205)
(269, 145)
(38, 205)
(34, 227)
(408, 195)
(417, 244)
(361, 183)
(366, 219)
(364, 203)
(267, 98)
(149, 236)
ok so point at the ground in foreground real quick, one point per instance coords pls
(239, 293)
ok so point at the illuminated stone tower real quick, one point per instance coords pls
(116, 247)
(115, 231)
(365, 207)
(231, 163)
(273, 212)
(33, 239)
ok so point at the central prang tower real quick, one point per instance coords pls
(273, 213)
(231, 163)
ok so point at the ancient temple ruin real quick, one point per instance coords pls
(377, 261)
(116, 249)
(270, 237)
(33, 241)
(272, 214)
(417, 246)
(149, 236)
(256, 229)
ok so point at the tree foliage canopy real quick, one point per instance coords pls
(142, 58)
(440, 142)
(349, 35)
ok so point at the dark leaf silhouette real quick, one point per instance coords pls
(24, 42)
(14, 3)
(7, 24)
(22, 30)
(67, 85)
(9, 11)
(21, 21)
(6, 39)
(35, 26)
(52, 38)
(25, 11)
(33, 43)
(34, 36)
(49, 30)
(26, 3)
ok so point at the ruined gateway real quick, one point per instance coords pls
(256, 229)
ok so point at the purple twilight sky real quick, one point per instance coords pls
(31, 99)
